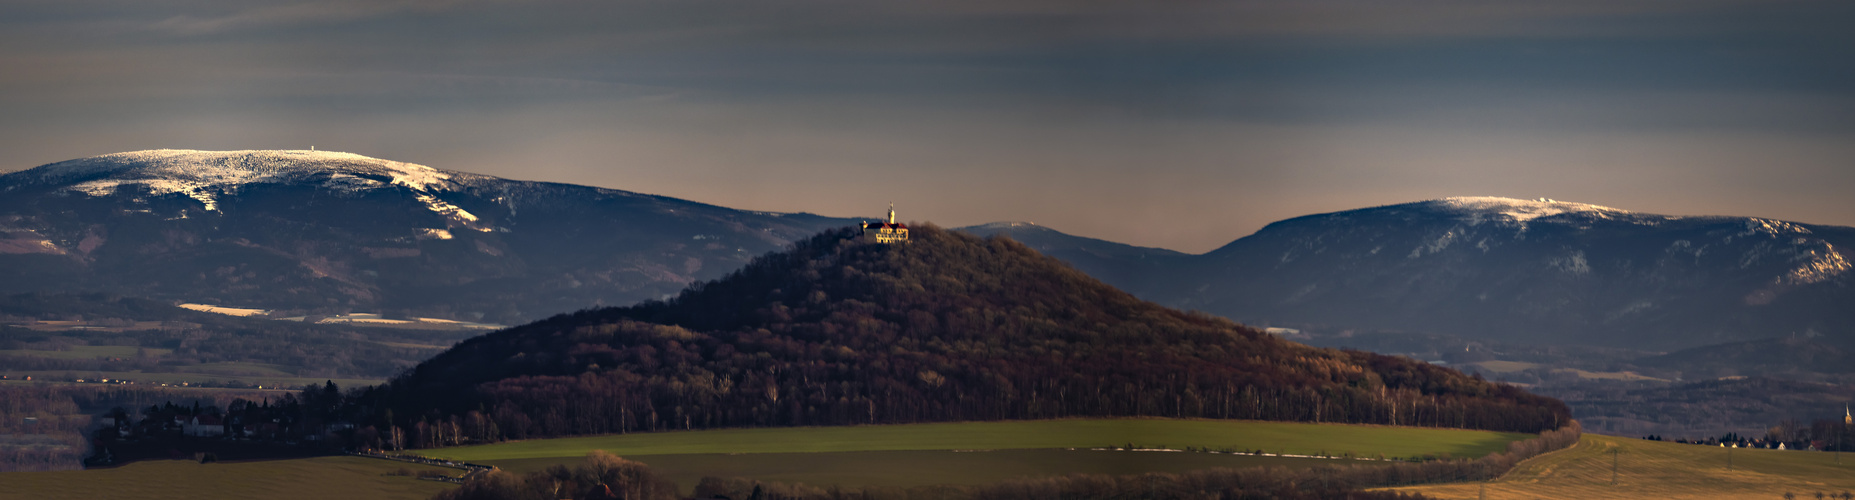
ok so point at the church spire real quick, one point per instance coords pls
(891, 212)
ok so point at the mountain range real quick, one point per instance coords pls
(334, 232)
(1538, 271)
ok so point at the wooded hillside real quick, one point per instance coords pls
(946, 327)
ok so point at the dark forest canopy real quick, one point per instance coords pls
(947, 327)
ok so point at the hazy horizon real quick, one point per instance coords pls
(1180, 126)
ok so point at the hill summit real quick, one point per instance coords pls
(948, 326)
(320, 232)
(1533, 271)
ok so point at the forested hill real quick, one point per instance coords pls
(839, 330)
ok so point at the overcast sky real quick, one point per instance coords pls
(1182, 125)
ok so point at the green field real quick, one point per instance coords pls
(1654, 469)
(1272, 437)
(88, 352)
(268, 375)
(981, 452)
(904, 469)
(241, 368)
(889, 456)
(925, 454)
(172, 378)
(346, 478)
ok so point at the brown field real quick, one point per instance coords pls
(89, 352)
(1653, 469)
(343, 478)
(1516, 366)
(62, 326)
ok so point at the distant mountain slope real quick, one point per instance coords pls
(1541, 271)
(322, 232)
(1139, 270)
(327, 232)
(948, 326)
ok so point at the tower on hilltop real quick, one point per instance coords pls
(887, 232)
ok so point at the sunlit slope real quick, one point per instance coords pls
(1651, 469)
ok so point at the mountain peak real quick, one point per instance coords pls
(1518, 209)
(198, 173)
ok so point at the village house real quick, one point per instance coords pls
(203, 426)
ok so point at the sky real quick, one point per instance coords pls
(1174, 124)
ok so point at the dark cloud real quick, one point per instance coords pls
(1109, 119)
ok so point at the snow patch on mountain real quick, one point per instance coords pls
(1478, 208)
(1436, 245)
(1756, 226)
(1574, 263)
(1005, 225)
(452, 212)
(1818, 265)
(432, 234)
(202, 175)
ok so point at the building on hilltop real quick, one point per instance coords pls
(887, 232)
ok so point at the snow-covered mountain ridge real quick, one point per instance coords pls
(328, 233)
(1811, 259)
(192, 168)
(1479, 207)
(204, 175)
(1512, 268)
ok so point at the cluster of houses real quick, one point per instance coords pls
(291, 420)
(228, 384)
(1831, 441)
(1764, 443)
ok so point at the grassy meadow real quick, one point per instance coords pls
(905, 469)
(1654, 469)
(887, 456)
(981, 452)
(346, 478)
(1271, 437)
